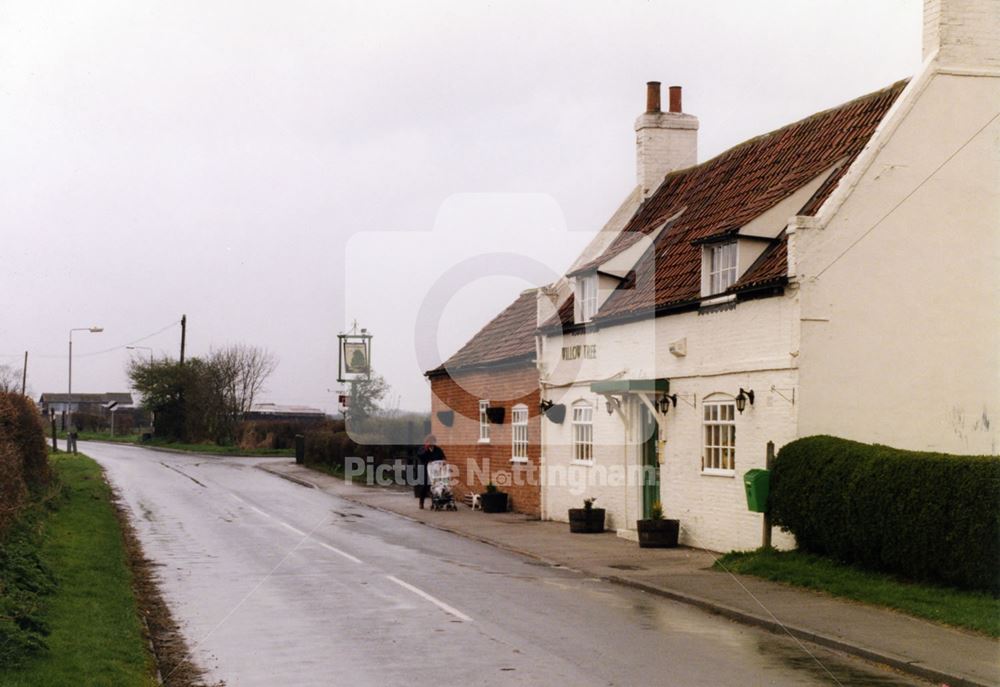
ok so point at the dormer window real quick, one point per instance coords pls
(722, 265)
(586, 294)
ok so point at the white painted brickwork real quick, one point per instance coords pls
(966, 33)
(753, 346)
(664, 142)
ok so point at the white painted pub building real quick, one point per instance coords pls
(840, 275)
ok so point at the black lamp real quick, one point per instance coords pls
(742, 398)
(664, 401)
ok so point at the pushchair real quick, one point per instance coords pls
(439, 476)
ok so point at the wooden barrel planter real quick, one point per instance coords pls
(658, 534)
(586, 520)
(493, 501)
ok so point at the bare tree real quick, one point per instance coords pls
(242, 372)
(10, 378)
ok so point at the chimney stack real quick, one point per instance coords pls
(963, 33)
(664, 141)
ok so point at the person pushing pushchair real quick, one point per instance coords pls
(428, 453)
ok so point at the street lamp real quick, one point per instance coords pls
(142, 348)
(92, 330)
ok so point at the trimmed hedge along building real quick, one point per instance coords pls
(928, 516)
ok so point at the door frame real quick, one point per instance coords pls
(649, 437)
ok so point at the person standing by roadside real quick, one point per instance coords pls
(428, 453)
(71, 443)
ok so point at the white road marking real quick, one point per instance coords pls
(334, 549)
(437, 602)
(293, 529)
(339, 552)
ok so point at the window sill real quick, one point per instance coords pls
(586, 463)
(714, 472)
(483, 441)
(519, 461)
(717, 300)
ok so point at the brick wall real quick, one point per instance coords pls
(475, 463)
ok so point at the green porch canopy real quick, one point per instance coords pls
(626, 386)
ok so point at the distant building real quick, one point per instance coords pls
(273, 411)
(92, 404)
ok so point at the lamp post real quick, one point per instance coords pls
(142, 348)
(92, 330)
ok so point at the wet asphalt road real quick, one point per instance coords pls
(277, 584)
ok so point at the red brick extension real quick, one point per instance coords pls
(475, 463)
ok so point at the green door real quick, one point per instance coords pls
(651, 465)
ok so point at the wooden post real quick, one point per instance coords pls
(24, 375)
(769, 461)
(55, 446)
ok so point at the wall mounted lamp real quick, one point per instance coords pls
(611, 404)
(742, 398)
(664, 401)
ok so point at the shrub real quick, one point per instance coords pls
(24, 462)
(91, 422)
(252, 434)
(327, 447)
(925, 516)
(24, 580)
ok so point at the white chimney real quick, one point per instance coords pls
(964, 33)
(664, 141)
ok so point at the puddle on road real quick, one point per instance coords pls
(830, 668)
(147, 513)
(813, 663)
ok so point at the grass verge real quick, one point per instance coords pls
(96, 635)
(971, 610)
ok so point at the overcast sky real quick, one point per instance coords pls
(276, 170)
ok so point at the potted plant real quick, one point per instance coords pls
(586, 520)
(493, 500)
(656, 532)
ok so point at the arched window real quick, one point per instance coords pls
(719, 422)
(583, 432)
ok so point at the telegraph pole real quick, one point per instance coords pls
(184, 322)
(24, 374)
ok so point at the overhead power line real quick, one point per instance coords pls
(100, 352)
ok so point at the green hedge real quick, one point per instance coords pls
(924, 516)
(24, 465)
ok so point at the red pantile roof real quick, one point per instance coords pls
(508, 337)
(729, 191)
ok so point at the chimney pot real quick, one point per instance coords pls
(675, 99)
(653, 97)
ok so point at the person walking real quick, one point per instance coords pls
(428, 453)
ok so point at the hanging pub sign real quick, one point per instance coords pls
(354, 359)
